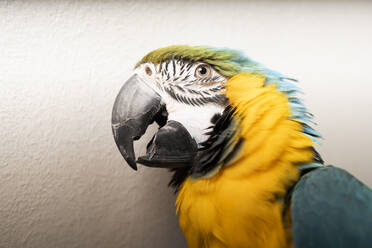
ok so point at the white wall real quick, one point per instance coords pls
(62, 181)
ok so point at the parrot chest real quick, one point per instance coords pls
(230, 213)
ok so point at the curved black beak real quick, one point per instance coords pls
(136, 107)
(134, 110)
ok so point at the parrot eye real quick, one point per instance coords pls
(203, 71)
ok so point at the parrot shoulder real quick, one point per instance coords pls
(331, 208)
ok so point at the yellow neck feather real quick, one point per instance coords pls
(241, 205)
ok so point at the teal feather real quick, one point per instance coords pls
(306, 166)
(309, 130)
(291, 91)
(284, 84)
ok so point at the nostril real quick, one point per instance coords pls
(148, 70)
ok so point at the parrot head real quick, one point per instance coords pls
(183, 90)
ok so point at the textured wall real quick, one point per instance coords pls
(62, 181)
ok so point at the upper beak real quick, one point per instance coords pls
(133, 111)
(137, 106)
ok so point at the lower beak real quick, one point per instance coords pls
(136, 107)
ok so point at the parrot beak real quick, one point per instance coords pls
(136, 107)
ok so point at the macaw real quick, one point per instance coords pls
(239, 142)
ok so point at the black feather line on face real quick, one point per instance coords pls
(215, 89)
(197, 100)
(174, 67)
(180, 88)
(193, 102)
(188, 67)
(185, 78)
(215, 78)
(192, 91)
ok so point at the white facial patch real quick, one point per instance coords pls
(196, 120)
(189, 100)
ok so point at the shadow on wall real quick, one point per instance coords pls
(151, 217)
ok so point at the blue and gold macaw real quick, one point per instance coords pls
(241, 148)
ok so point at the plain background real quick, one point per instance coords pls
(63, 182)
